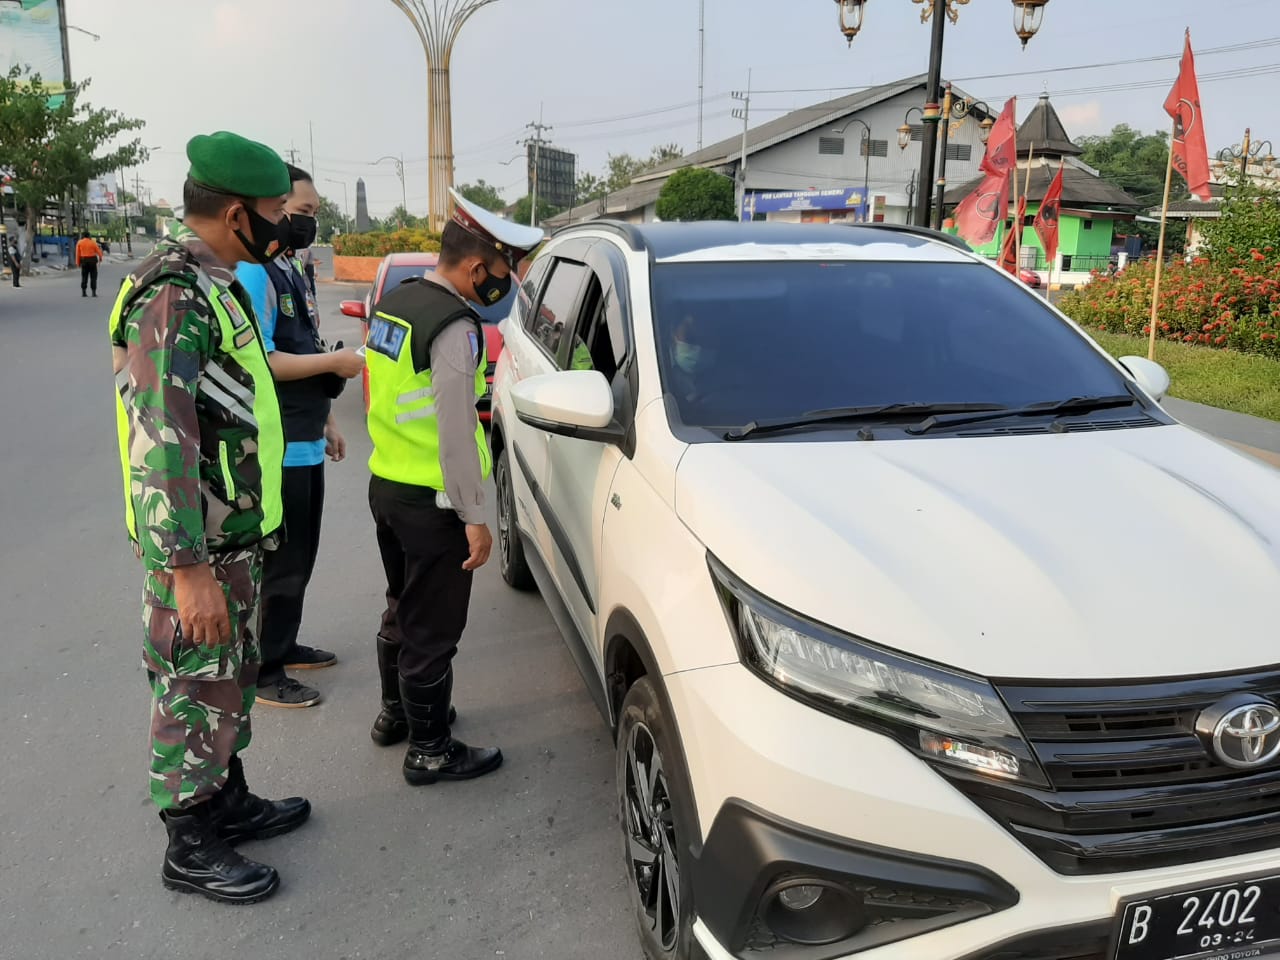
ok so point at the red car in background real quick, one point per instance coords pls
(399, 267)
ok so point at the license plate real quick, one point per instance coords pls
(1232, 921)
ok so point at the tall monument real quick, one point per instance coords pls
(438, 23)
(362, 208)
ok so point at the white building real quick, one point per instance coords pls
(810, 166)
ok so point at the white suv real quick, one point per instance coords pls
(924, 632)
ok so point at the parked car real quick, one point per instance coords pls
(1029, 277)
(394, 270)
(922, 630)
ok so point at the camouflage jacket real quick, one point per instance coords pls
(194, 472)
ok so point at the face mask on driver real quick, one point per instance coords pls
(687, 356)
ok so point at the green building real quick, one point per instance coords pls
(1091, 207)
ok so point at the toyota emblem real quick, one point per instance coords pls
(1241, 731)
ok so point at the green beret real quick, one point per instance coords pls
(230, 163)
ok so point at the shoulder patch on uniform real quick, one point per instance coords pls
(386, 338)
(286, 304)
(244, 337)
(474, 340)
(233, 308)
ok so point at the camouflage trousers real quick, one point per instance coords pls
(200, 696)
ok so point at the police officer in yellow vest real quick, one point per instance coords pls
(201, 447)
(426, 359)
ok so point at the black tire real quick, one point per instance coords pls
(656, 825)
(511, 558)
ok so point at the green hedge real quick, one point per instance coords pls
(380, 244)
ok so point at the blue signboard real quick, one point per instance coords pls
(777, 201)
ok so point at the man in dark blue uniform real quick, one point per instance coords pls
(307, 377)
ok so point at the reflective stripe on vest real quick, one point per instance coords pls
(259, 410)
(402, 410)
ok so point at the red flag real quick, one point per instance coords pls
(1046, 222)
(1009, 249)
(980, 212)
(1002, 149)
(1190, 153)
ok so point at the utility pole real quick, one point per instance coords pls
(537, 142)
(743, 113)
(399, 163)
(311, 128)
(293, 154)
(702, 62)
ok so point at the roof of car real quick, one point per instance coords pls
(726, 240)
(413, 259)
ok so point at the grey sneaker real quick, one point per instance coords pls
(288, 692)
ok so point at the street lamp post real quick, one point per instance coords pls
(1248, 152)
(866, 167)
(438, 23)
(346, 207)
(956, 110)
(399, 162)
(1027, 19)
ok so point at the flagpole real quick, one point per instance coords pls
(1062, 165)
(1017, 220)
(1164, 223)
(1026, 192)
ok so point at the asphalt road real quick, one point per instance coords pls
(522, 864)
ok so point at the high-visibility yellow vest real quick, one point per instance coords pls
(247, 515)
(402, 406)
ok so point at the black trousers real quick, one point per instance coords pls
(423, 548)
(89, 273)
(286, 571)
(16, 269)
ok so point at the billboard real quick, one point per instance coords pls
(102, 194)
(776, 201)
(33, 34)
(556, 175)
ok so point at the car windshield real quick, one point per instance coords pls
(743, 342)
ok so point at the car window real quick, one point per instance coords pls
(399, 273)
(559, 301)
(528, 291)
(592, 345)
(738, 343)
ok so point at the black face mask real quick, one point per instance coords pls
(302, 231)
(492, 289)
(268, 240)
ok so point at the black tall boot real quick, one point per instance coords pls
(433, 754)
(239, 815)
(391, 727)
(200, 861)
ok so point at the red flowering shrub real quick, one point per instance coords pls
(1228, 307)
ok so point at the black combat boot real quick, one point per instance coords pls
(200, 861)
(433, 754)
(239, 815)
(391, 727)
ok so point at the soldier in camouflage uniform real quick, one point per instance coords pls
(201, 449)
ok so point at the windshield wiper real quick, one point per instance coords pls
(1048, 407)
(835, 415)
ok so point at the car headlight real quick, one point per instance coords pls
(936, 712)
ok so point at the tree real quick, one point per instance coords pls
(520, 212)
(329, 220)
(54, 150)
(696, 194)
(483, 194)
(590, 187)
(664, 154)
(402, 217)
(1248, 229)
(1136, 163)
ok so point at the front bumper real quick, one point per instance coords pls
(784, 792)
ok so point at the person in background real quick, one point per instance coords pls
(308, 260)
(307, 378)
(12, 258)
(88, 255)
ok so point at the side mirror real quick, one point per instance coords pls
(1149, 375)
(571, 403)
(354, 308)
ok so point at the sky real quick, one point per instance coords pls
(609, 76)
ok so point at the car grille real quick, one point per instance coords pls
(1130, 784)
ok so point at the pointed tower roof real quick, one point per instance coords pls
(1043, 129)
